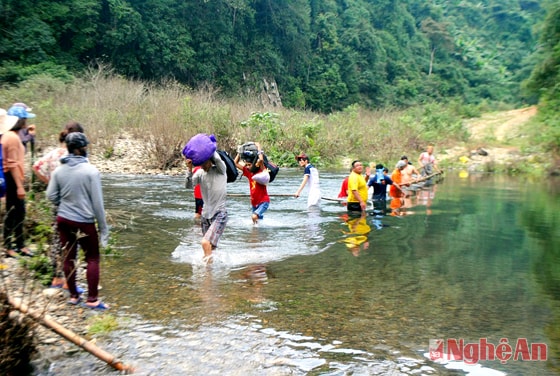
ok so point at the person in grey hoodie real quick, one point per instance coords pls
(213, 180)
(75, 187)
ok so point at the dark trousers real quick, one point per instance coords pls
(15, 215)
(85, 234)
(354, 207)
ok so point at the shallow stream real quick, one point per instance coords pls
(301, 293)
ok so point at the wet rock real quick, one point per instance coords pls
(481, 151)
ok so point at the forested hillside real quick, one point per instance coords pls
(323, 54)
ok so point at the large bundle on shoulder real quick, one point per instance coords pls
(249, 152)
(201, 148)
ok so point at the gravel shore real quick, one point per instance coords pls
(46, 302)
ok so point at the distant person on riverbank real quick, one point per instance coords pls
(44, 166)
(212, 179)
(357, 189)
(75, 187)
(14, 121)
(255, 171)
(43, 169)
(410, 173)
(311, 176)
(27, 135)
(428, 162)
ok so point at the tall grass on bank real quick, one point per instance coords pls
(164, 116)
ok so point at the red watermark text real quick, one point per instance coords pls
(473, 352)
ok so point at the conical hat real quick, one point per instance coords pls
(6, 121)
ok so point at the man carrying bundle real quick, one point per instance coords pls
(256, 172)
(212, 177)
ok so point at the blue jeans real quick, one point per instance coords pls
(260, 209)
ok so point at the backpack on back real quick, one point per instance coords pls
(3, 186)
(249, 153)
(272, 168)
(231, 171)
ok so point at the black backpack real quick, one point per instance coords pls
(272, 168)
(250, 154)
(231, 171)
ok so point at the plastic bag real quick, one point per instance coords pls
(200, 148)
(262, 177)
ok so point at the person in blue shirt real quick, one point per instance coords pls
(379, 181)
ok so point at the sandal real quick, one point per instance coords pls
(12, 253)
(75, 301)
(78, 289)
(25, 252)
(61, 286)
(99, 305)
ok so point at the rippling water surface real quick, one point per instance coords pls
(301, 293)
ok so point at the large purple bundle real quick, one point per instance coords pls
(200, 148)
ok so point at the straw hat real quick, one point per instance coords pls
(6, 121)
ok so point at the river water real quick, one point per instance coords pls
(308, 293)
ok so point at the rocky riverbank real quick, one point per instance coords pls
(491, 146)
(50, 303)
(127, 158)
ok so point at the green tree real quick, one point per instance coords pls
(545, 80)
(438, 36)
(43, 32)
(372, 52)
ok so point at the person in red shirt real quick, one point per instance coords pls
(254, 165)
(343, 189)
(198, 202)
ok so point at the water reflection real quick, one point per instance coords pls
(356, 238)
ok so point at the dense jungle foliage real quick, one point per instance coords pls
(325, 55)
(545, 82)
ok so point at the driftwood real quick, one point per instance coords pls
(270, 195)
(424, 178)
(333, 199)
(50, 323)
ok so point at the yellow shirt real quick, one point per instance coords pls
(357, 182)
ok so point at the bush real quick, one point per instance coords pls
(17, 344)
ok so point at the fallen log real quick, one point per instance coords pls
(270, 195)
(50, 323)
(424, 178)
(341, 200)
